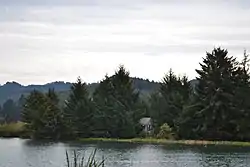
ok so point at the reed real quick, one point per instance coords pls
(79, 161)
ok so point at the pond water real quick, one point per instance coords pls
(26, 153)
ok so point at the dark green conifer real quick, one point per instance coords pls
(167, 103)
(79, 110)
(213, 109)
(117, 101)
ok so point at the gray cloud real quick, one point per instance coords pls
(91, 38)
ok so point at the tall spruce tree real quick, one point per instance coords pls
(167, 103)
(53, 96)
(52, 122)
(20, 103)
(211, 114)
(103, 101)
(10, 111)
(117, 104)
(42, 116)
(242, 100)
(79, 110)
(33, 110)
(1, 114)
(54, 117)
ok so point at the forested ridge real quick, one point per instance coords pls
(217, 108)
(13, 90)
(12, 94)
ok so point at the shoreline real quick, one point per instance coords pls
(164, 141)
(146, 141)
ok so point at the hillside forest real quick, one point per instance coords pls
(216, 107)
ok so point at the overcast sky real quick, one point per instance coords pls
(58, 40)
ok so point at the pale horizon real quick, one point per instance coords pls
(59, 40)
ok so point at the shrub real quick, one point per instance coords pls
(165, 132)
(13, 130)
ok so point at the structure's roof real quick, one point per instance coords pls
(145, 121)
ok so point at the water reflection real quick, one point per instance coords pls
(23, 153)
(223, 159)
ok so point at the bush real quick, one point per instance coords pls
(13, 130)
(165, 132)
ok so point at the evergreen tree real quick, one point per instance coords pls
(117, 104)
(1, 115)
(42, 116)
(79, 110)
(55, 121)
(52, 122)
(53, 96)
(33, 109)
(127, 102)
(10, 112)
(241, 100)
(103, 101)
(168, 102)
(211, 114)
(20, 103)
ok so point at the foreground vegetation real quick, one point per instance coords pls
(79, 161)
(216, 108)
(13, 130)
(18, 130)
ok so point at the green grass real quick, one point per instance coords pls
(164, 141)
(12, 130)
(18, 130)
(79, 161)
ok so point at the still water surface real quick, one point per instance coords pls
(26, 153)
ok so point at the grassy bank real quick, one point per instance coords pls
(18, 130)
(12, 130)
(164, 141)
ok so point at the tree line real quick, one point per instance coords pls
(11, 111)
(216, 108)
(113, 110)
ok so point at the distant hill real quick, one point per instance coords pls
(13, 90)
